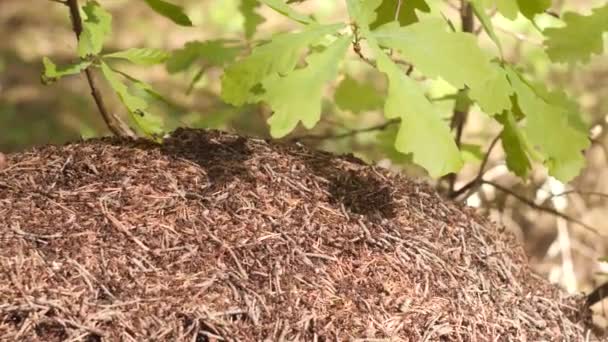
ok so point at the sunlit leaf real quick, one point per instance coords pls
(427, 43)
(168, 10)
(530, 8)
(149, 124)
(52, 72)
(297, 96)
(387, 12)
(515, 146)
(277, 57)
(580, 38)
(142, 56)
(422, 132)
(251, 19)
(95, 29)
(357, 97)
(486, 21)
(548, 127)
(213, 52)
(471, 153)
(286, 10)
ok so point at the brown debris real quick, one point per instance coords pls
(214, 237)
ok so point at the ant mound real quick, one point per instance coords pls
(215, 237)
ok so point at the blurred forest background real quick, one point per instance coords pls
(559, 248)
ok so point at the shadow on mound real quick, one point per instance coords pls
(362, 194)
(211, 154)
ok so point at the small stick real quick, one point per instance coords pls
(116, 126)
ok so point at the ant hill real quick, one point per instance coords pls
(216, 237)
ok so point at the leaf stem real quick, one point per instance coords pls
(116, 126)
(460, 115)
(349, 133)
(477, 181)
(538, 207)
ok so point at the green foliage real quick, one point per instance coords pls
(357, 97)
(472, 153)
(515, 145)
(530, 8)
(580, 38)
(143, 56)
(548, 127)
(170, 11)
(297, 96)
(252, 19)
(52, 73)
(422, 132)
(95, 29)
(486, 21)
(137, 106)
(279, 56)
(292, 71)
(407, 12)
(426, 43)
(286, 10)
(212, 52)
(507, 8)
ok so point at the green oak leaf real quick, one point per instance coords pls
(357, 97)
(147, 88)
(279, 56)
(213, 52)
(251, 19)
(579, 39)
(480, 12)
(530, 8)
(363, 12)
(422, 132)
(52, 72)
(281, 7)
(561, 99)
(426, 44)
(508, 8)
(170, 11)
(511, 8)
(407, 12)
(141, 56)
(149, 124)
(95, 29)
(385, 141)
(548, 127)
(515, 145)
(297, 96)
(472, 153)
(493, 96)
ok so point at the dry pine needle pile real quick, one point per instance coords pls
(215, 237)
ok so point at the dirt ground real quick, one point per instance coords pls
(214, 237)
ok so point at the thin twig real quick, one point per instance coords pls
(398, 9)
(116, 126)
(475, 183)
(581, 193)
(460, 115)
(351, 133)
(538, 207)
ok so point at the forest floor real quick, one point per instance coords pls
(213, 237)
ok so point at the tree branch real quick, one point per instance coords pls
(476, 182)
(581, 193)
(459, 117)
(538, 207)
(351, 133)
(116, 126)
